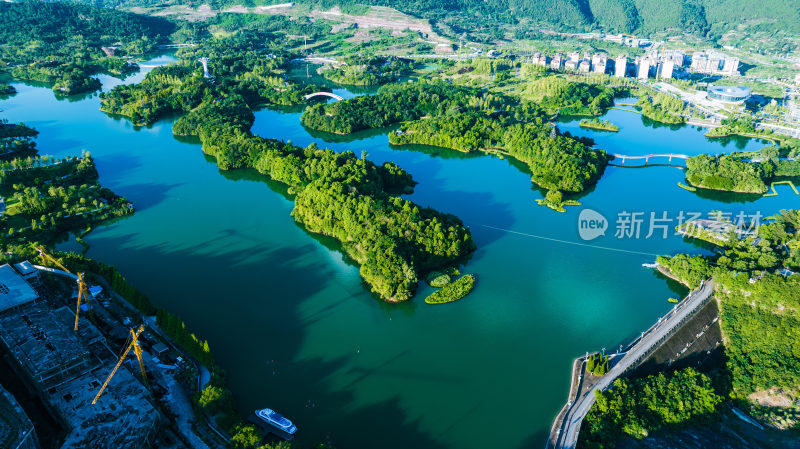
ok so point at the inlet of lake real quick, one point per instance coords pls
(295, 329)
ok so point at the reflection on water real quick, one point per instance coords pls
(289, 319)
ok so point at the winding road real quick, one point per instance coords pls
(570, 426)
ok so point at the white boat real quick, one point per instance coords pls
(277, 421)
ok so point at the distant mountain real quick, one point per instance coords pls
(628, 16)
(616, 16)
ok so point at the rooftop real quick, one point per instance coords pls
(730, 90)
(14, 290)
(122, 417)
(15, 426)
(47, 349)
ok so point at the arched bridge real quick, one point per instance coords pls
(323, 94)
(647, 157)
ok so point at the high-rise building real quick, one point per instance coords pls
(731, 67)
(643, 68)
(699, 62)
(665, 69)
(571, 65)
(620, 66)
(584, 66)
(557, 61)
(676, 56)
(599, 63)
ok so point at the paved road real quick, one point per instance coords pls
(568, 437)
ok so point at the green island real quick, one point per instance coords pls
(555, 200)
(452, 291)
(602, 125)
(734, 173)
(361, 71)
(45, 196)
(661, 107)
(441, 278)
(63, 44)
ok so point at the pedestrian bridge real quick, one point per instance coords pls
(323, 94)
(647, 158)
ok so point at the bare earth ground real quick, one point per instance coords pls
(376, 17)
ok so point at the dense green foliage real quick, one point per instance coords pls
(556, 162)
(391, 104)
(60, 43)
(16, 140)
(635, 407)
(452, 291)
(466, 119)
(361, 71)
(46, 197)
(166, 89)
(242, 66)
(733, 125)
(350, 199)
(560, 95)
(691, 270)
(598, 364)
(728, 173)
(337, 194)
(761, 324)
(603, 125)
(662, 108)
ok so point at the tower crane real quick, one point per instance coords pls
(137, 349)
(82, 290)
(134, 343)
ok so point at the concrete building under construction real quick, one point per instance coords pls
(16, 429)
(66, 368)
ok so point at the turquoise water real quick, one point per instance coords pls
(291, 322)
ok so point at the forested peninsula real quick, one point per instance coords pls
(394, 241)
(467, 119)
(63, 44)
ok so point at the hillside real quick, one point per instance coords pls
(489, 18)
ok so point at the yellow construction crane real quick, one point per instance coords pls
(134, 343)
(137, 349)
(82, 291)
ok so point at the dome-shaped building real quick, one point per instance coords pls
(729, 94)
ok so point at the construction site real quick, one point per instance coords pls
(79, 373)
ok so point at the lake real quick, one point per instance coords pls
(289, 319)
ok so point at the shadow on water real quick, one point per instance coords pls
(282, 278)
(739, 142)
(145, 196)
(727, 197)
(655, 125)
(348, 138)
